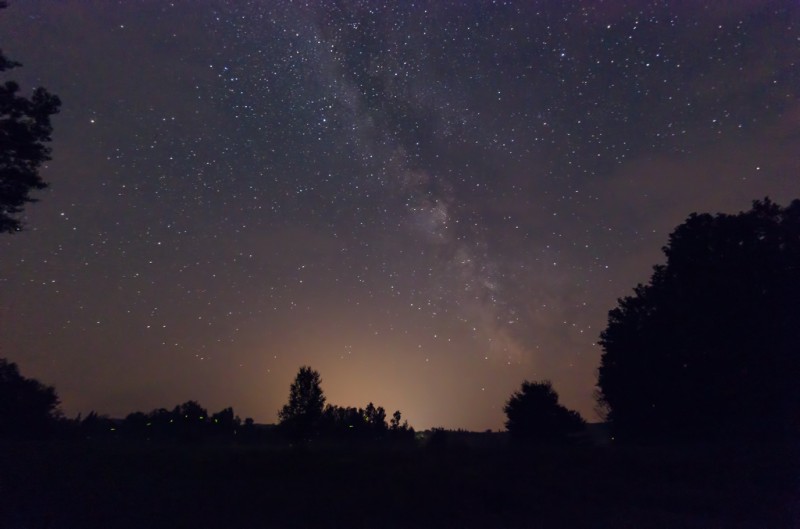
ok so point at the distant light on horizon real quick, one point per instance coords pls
(427, 207)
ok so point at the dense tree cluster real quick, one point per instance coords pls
(24, 132)
(188, 422)
(710, 347)
(363, 424)
(534, 415)
(28, 408)
(304, 417)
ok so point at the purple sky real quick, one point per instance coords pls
(427, 202)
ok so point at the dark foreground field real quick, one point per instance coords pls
(113, 485)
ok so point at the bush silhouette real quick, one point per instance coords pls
(534, 415)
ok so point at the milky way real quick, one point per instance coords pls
(428, 202)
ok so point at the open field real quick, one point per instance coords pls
(117, 485)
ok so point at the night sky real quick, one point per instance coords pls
(427, 202)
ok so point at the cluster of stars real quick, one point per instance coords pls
(270, 184)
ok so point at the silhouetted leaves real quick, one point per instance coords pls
(304, 416)
(299, 417)
(400, 431)
(97, 426)
(28, 408)
(709, 347)
(24, 130)
(187, 423)
(534, 415)
(363, 424)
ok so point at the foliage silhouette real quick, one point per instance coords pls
(188, 422)
(24, 130)
(191, 423)
(400, 431)
(709, 347)
(306, 416)
(437, 439)
(299, 418)
(28, 408)
(363, 424)
(534, 415)
(94, 425)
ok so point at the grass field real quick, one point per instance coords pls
(61, 485)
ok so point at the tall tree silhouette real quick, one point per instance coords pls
(534, 414)
(24, 130)
(27, 407)
(709, 347)
(300, 415)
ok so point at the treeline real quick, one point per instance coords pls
(187, 422)
(191, 423)
(306, 418)
(706, 351)
(363, 424)
(29, 410)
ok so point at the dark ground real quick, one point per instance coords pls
(61, 485)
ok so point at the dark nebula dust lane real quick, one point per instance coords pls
(427, 202)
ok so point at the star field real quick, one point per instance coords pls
(427, 202)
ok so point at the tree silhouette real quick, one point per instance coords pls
(534, 414)
(225, 421)
(27, 407)
(188, 422)
(396, 418)
(363, 424)
(344, 422)
(191, 420)
(376, 419)
(709, 347)
(299, 417)
(24, 130)
(95, 426)
(400, 431)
